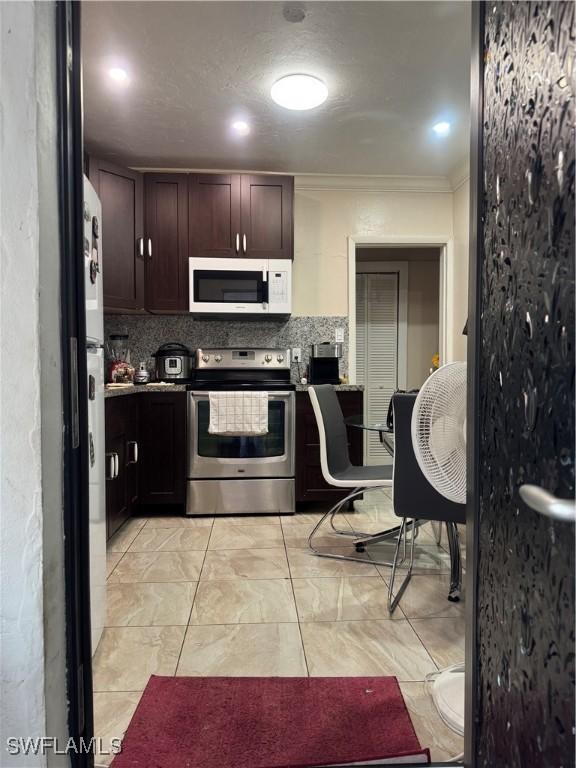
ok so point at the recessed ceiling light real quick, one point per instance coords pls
(299, 92)
(241, 127)
(441, 129)
(119, 75)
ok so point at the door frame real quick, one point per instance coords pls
(446, 246)
(70, 171)
(74, 380)
(472, 706)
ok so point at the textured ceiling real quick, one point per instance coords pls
(392, 69)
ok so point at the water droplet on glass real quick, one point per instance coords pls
(529, 324)
(560, 169)
(529, 179)
(564, 343)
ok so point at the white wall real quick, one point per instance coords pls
(325, 218)
(29, 490)
(329, 211)
(461, 206)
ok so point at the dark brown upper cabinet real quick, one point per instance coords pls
(241, 215)
(123, 248)
(166, 220)
(214, 215)
(266, 216)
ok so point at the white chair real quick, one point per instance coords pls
(339, 472)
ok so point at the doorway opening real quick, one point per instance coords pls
(194, 593)
(397, 328)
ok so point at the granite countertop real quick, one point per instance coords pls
(337, 387)
(138, 388)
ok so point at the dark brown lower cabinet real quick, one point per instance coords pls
(122, 424)
(146, 439)
(310, 485)
(163, 448)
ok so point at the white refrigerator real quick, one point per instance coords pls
(95, 362)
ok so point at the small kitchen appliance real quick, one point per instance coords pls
(325, 362)
(174, 362)
(240, 286)
(238, 475)
(120, 370)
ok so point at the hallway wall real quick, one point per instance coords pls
(32, 663)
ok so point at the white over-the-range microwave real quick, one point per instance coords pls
(240, 286)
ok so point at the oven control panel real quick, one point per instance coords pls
(243, 358)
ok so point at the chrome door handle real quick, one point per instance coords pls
(141, 247)
(544, 502)
(244, 244)
(133, 445)
(237, 242)
(149, 247)
(112, 469)
(116, 465)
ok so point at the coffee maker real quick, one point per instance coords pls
(324, 363)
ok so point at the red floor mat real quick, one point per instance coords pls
(269, 722)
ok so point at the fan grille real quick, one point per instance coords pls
(439, 431)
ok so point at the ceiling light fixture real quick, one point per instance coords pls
(241, 127)
(119, 75)
(441, 129)
(299, 92)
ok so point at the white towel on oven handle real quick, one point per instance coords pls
(238, 413)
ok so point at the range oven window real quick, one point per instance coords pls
(229, 447)
(223, 287)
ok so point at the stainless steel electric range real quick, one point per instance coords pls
(233, 475)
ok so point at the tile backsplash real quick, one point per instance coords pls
(146, 333)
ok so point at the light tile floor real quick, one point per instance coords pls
(243, 596)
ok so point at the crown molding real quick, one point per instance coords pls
(311, 182)
(334, 182)
(460, 174)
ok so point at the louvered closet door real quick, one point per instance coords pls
(377, 352)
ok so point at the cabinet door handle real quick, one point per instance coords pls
(244, 244)
(149, 247)
(116, 465)
(133, 446)
(544, 502)
(237, 242)
(141, 247)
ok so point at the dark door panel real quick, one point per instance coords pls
(166, 205)
(267, 223)
(214, 215)
(132, 450)
(117, 505)
(163, 448)
(121, 192)
(522, 358)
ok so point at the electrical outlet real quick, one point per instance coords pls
(296, 354)
(339, 334)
